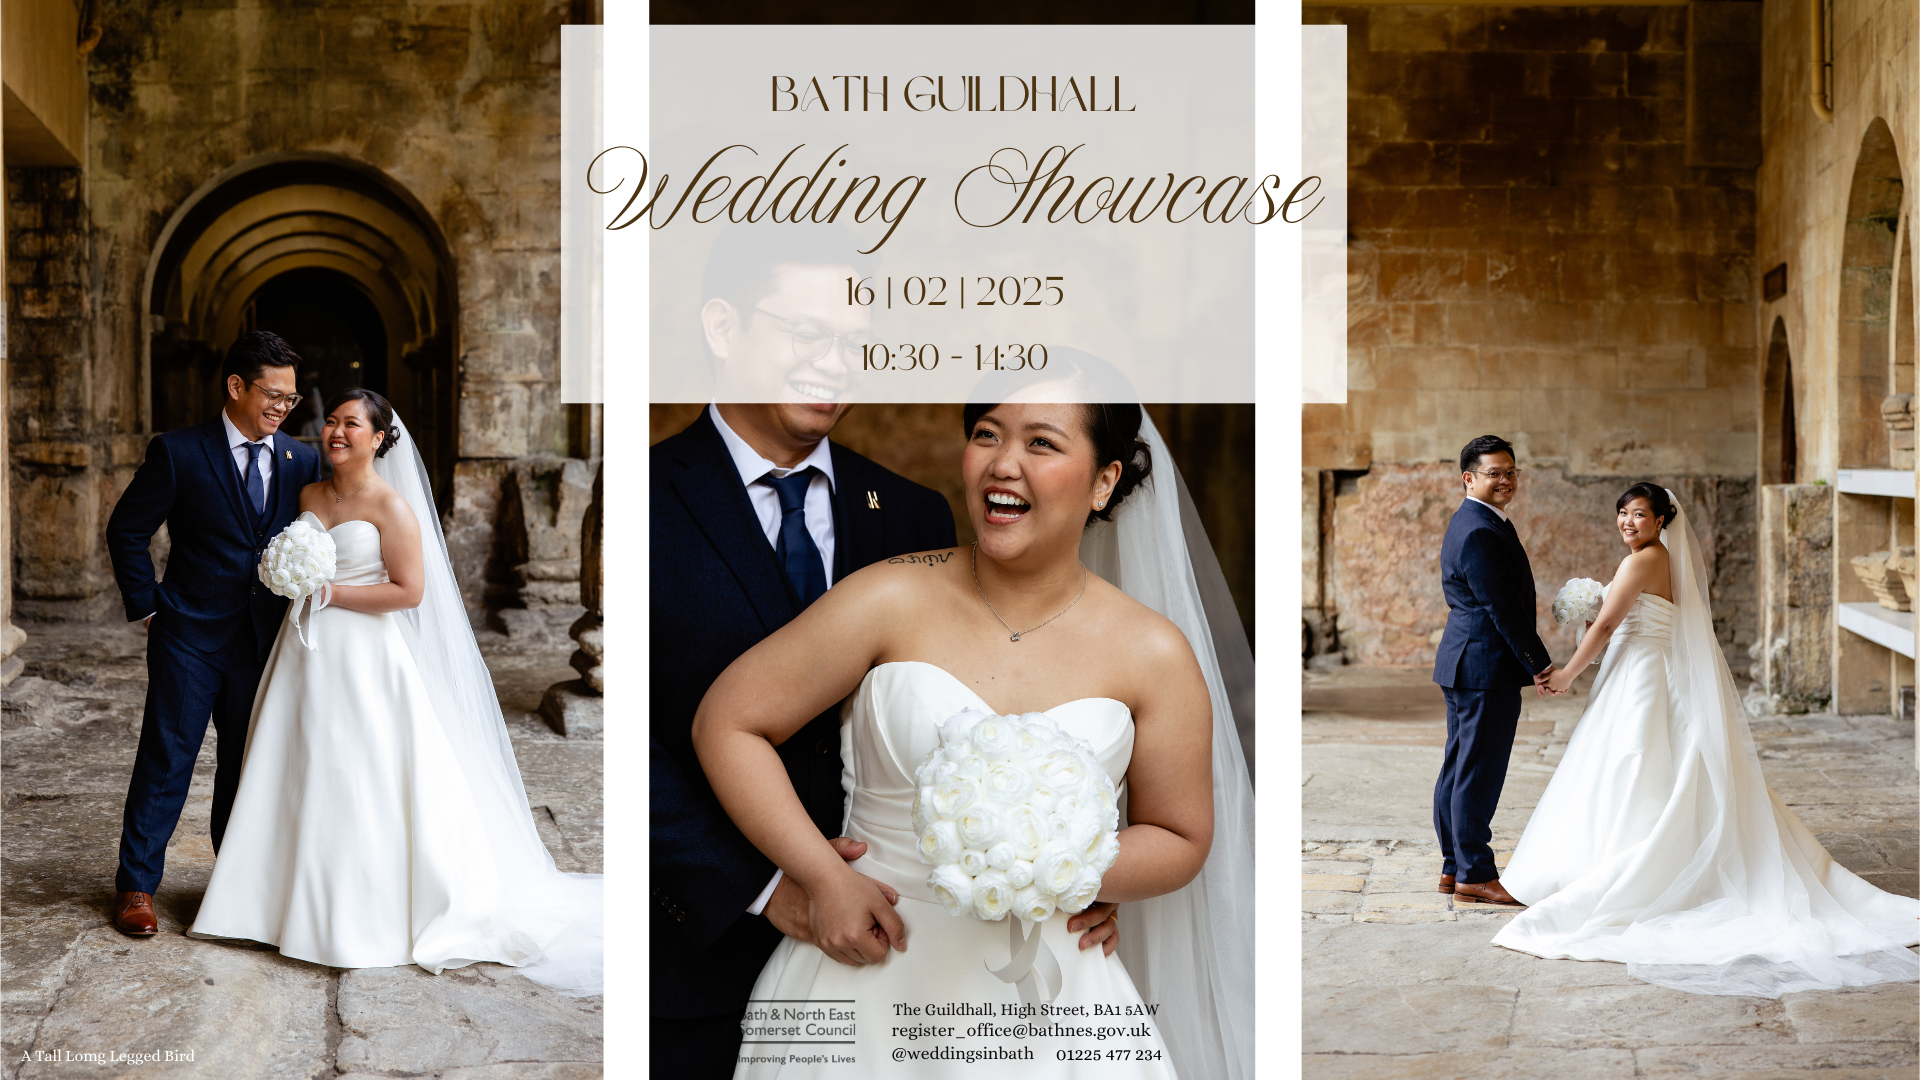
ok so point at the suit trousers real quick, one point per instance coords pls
(1480, 727)
(704, 1048)
(185, 687)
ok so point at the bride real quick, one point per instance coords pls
(380, 819)
(1015, 624)
(1657, 842)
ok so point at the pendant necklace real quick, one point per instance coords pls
(339, 498)
(1016, 633)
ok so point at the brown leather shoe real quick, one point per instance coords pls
(1486, 892)
(133, 915)
(1446, 883)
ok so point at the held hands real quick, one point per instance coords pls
(1549, 684)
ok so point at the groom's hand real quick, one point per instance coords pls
(787, 908)
(1540, 682)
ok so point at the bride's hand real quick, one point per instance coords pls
(787, 908)
(1560, 681)
(852, 920)
(1102, 925)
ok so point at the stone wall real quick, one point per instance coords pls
(456, 102)
(1805, 187)
(60, 480)
(1543, 246)
(1835, 209)
(1532, 252)
(1384, 554)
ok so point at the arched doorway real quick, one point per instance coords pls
(1866, 294)
(329, 253)
(1779, 434)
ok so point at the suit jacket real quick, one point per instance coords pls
(717, 590)
(190, 482)
(1490, 641)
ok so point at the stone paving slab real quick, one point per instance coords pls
(1399, 980)
(1454, 1018)
(71, 984)
(1514, 1065)
(404, 1021)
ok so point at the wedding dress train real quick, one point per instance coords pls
(939, 1008)
(1658, 844)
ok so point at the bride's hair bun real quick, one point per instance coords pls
(1116, 437)
(379, 415)
(1656, 497)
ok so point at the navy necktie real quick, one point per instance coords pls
(797, 553)
(256, 487)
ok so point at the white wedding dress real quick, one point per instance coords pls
(947, 972)
(1658, 844)
(380, 819)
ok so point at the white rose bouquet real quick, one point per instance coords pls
(1579, 601)
(298, 562)
(1015, 816)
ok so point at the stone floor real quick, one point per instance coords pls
(1398, 980)
(74, 986)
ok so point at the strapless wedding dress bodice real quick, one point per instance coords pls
(888, 735)
(938, 1009)
(356, 552)
(355, 840)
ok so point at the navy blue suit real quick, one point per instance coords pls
(718, 590)
(213, 623)
(1488, 654)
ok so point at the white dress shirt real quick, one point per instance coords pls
(766, 501)
(1490, 506)
(238, 443)
(818, 512)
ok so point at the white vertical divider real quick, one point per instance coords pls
(1278, 344)
(626, 325)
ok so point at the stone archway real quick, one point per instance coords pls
(341, 258)
(1864, 371)
(1779, 434)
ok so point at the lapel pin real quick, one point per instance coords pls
(289, 455)
(873, 500)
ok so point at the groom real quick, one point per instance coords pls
(754, 514)
(1488, 654)
(223, 489)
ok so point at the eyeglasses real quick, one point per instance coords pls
(810, 344)
(278, 402)
(1497, 475)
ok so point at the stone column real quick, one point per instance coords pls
(576, 707)
(11, 636)
(545, 501)
(1794, 653)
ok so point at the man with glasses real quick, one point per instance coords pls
(754, 514)
(775, 320)
(223, 489)
(1490, 651)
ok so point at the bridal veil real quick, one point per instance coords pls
(557, 916)
(1192, 950)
